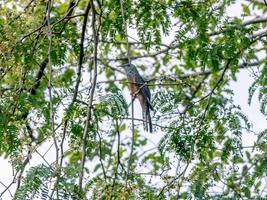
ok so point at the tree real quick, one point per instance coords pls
(63, 90)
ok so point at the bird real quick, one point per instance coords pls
(139, 89)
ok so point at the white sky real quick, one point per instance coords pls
(240, 88)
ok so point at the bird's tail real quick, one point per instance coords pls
(147, 119)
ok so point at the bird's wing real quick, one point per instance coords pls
(144, 90)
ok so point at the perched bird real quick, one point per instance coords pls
(139, 89)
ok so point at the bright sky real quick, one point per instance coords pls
(240, 88)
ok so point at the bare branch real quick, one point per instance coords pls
(255, 20)
(7, 188)
(218, 81)
(100, 155)
(39, 76)
(49, 35)
(50, 79)
(81, 55)
(91, 97)
(259, 34)
(118, 157)
(25, 162)
(180, 78)
(258, 1)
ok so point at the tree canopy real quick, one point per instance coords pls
(64, 93)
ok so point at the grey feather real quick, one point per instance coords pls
(131, 71)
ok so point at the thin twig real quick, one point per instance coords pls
(126, 32)
(132, 142)
(217, 83)
(52, 117)
(43, 157)
(20, 173)
(173, 179)
(6, 188)
(50, 78)
(133, 96)
(118, 157)
(66, 16)
(10, 184)
(100, 155)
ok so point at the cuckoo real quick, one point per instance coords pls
(139, 89)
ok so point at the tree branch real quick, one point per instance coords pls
(81, 55)
(51, 109)
(38, 77)
(89, 107)
(255, 20)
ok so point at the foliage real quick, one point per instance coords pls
(51, 52)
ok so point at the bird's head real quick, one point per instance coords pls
(129, 68)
